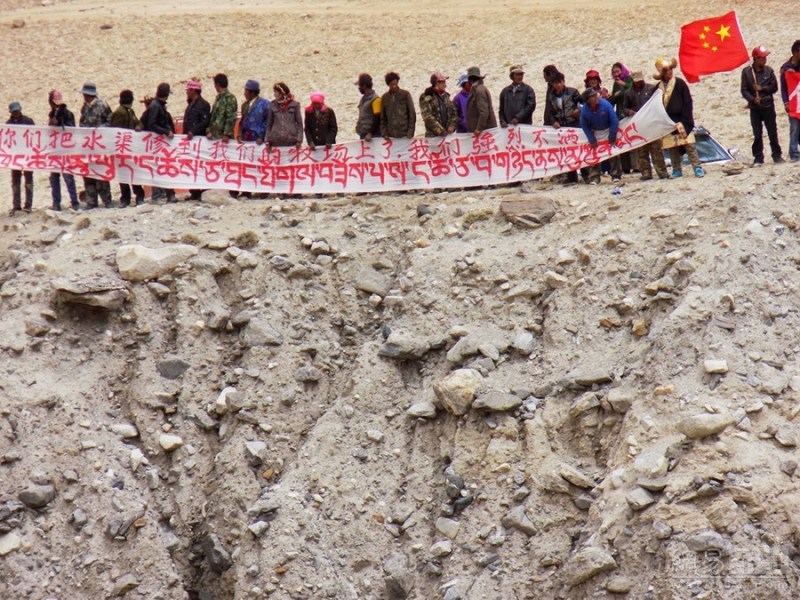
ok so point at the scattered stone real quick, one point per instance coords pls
(443, 548)
(138, 263)
(219, 559)
(402, 347)
(457, 390)
(373, 282)
(447, 527)
(399, 580)
(258, 528)
(786, 437)
(125, 430)
(517, 519)
(639, 499)
(620, 399)
(590, 378)
(496, 400)
(530, 213)
(587, 563)
(703, 425)
(619, 585)
(554, 280)
(307, 374)
(170, 442)
(709, 540)
(37, 496)
(424, 410)
(256, 452)
(99, 292)
(662, 530)
(125, 584)
(470, 344)
(715, 366)
(789, 467)
(258, 332)
(10, 542)
(159, 290)
(452, 593)
(524, 342)
(172, 368)
(575, 477)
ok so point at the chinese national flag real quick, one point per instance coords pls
(793, 86)
(711, 45)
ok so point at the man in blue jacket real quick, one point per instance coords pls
(598, 114)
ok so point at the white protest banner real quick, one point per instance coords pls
(497, 156)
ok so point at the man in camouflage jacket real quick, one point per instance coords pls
(437, 109)
(223, 113)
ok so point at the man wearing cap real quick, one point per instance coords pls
(124, 117)
(634, 98)
(480, 114)
(157, 120)
(196, 118)
(398, 115)
(437, 109)
(223, 113)
(679, 106)
(61, 116)
(597, 114)
(759, 85)
(368, 124)
(460, 103)
(594, 82)
(17, 118)
(517, 100)
(95, 112)
(255, 110)
(793, 64)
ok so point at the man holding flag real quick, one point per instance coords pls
(790, 94)
(759, 85)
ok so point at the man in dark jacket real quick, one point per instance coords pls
(437, 109)
(196, 118)
(633, 100)
(125, 118)
(369, 109)
(759, 85)
(517, 101)
(398, 116)
(679, 107)
(156, 119)
(562, 110)
(17, 118)
(480, 114)
(61, 116)
(793, 64)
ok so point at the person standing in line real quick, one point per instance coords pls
(678, 104)
(517, 100)
(460, 103)
(284, 120)
(61, 116)
(563, 111)
(480, 114)
(321, 127)
(95, 112)
(157, 120)
(196, 118)
(437, 110)
(223, 113)
(398, 115)
(17, 118)
(597, 114)
(368, 125)
(124, 117)
(759, 85)
(255, 109)
(793, 64)
(548, 72)
(633, 100)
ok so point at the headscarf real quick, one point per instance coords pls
(624, 73)
(287, 95)
(317, 97)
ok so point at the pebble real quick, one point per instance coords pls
(425, 410)
(496, 400)
(662, 530)
(307, 374)
(10, 542)
(704, 425)
(125, 430)
(172, 368)
(517, 519)
(37, 496)
(457, 390)
(218, 557)
(620, 399)
(587, 563)
(639, 499)
(575, 477)
(715, 366)
(124, 584)
(709, 540)
(443, 548)
(399, 580)
(619, 585)
(447, 527)
(786, 437)
(170, 442)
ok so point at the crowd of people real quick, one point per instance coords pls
(282, 122)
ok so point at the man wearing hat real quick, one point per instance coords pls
(17, 118)
(437, 109)
(480, 114)
(156, 119)
(460, 103)
(398, 115)
(759, 85)
(517, 101)
(634, 98)
(368, 124)
(61, 116)
(255, 110)
(793, 64)
(598, 114)
(125, 117)
(95, 112)
(195, 119)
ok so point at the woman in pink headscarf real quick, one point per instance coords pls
(321, 126)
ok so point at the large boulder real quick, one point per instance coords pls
(138, 263)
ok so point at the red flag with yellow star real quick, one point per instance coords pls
(712, 45)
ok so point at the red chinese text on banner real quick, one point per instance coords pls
(712, 45)
(495, 157)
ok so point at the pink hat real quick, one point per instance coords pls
(318, 97)
(193, 84)
(57, 97)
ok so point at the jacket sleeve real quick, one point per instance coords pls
(771, 84)
(203, 119)
(428, 118)
(270, 121)
(412, 116)
(230, 118)
(613, 125)
(308, 129)
(298, 119)
(530, 105)
(587, 128)
(152, 121)
(384, 119)
(501, 108)
(333, 128)
(784, 87)
(687, 113)
(482, 101)
(115, 120)
(452, 117)
(548, 111)
(747, 85)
